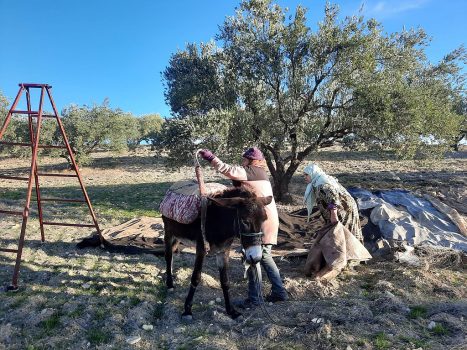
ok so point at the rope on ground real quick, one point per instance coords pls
(276, 320)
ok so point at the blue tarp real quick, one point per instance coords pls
(401, 215)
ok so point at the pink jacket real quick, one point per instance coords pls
(255, 179)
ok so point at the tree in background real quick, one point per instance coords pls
(97, 127)
(418, 114)
(195, 83)
(296, 90)
(88, 129)
(149, 127)
(18, 131)
(3, 106)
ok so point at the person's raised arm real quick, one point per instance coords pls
(234, 172)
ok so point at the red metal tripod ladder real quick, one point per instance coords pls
(34, 173)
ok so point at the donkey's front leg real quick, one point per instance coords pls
(195, 279)
(222, 260)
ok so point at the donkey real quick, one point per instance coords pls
(231, 212)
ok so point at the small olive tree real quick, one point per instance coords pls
(18, 131)
(149, 128)
(97, 127)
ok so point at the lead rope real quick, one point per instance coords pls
(268, 315)
(204, 200)
(254, 268)
(262, 303)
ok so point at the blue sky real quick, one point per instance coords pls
(89, 50)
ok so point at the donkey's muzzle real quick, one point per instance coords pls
(253, 254)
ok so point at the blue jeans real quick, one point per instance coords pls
(254, 284)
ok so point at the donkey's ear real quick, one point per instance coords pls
(265, 200)
(228, 202)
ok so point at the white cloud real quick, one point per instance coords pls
(383, 9)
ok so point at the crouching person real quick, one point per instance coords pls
(341, 240)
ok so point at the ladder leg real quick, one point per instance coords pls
(75, 166)
(14, 284)
(8, 117)
(39, 204)
(28, 196)
(36, 177)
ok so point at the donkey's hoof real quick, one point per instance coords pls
(11, 288)
(235, 315)
(239, 318)
(187, 318)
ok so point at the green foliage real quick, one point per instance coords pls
(3, 106)
(18, 131)
(88, 129)
(51, 323)
(381, 341)
(181, 137)
(439, 329)
(126, 134)
(149, 128)
(417, 312)
(97, 336)
(416, 115)
(294, 90)
(97, 127)
(194, 84)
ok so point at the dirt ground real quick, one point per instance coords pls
(96, 299)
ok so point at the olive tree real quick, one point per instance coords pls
(297, 90)
(18, 131)
(3, 106)
(149, 128)
(195, 83)
(97, 127)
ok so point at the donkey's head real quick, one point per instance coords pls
(249, 213)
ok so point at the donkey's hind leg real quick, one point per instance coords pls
(195, 279)
(171, 244)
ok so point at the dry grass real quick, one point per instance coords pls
(75, 299)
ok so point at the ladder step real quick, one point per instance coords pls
(52, 146)
(8, 250)
(66, 224)
(35, 85)
(34, 114)
(58, 175)
(30, 145)
(63, 200)
(9, 212)
(15, 143)
(25, 112)
(7, 177)
(44, 116)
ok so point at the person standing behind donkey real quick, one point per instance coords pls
(252, 176)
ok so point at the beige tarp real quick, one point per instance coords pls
(335, 246)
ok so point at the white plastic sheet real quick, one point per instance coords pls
(402, 216)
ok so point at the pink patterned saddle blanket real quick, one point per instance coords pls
(182, 201)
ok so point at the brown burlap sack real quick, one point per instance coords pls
(334, 246)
